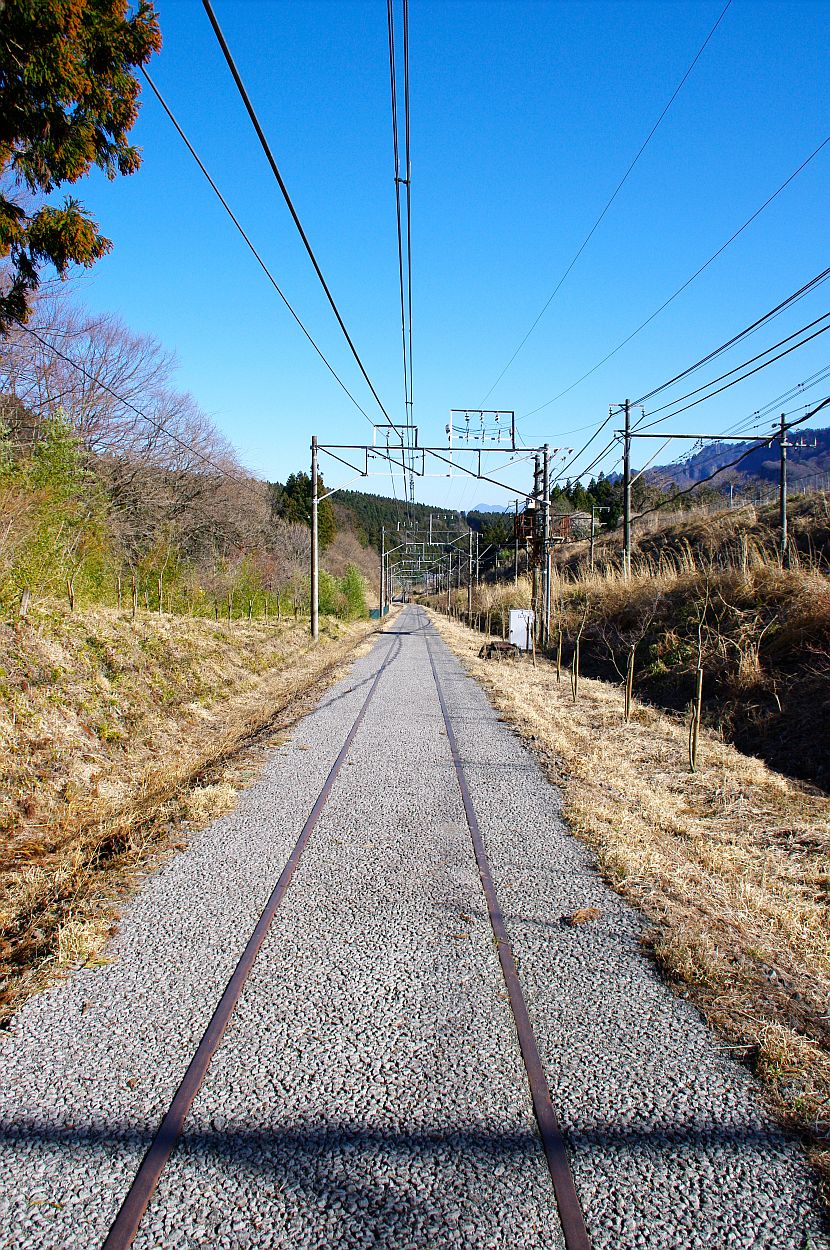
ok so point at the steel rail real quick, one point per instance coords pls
(127, 1221)
(553, 1142)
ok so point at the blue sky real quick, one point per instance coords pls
(524, 118)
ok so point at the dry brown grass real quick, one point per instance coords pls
(730, 866)
(115, 737)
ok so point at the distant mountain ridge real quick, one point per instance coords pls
(761, 463)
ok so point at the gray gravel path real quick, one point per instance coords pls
(369, 1091)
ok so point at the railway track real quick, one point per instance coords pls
(369, 1051)
(126, 1224)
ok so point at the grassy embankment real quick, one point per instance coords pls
(708, 588)
(728, 864)
(116, 737)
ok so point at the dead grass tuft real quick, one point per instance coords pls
(729, 865)
(203, 804)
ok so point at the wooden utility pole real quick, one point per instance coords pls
(315, 554)
(537, 490)
(784, 444)
(382, 608)
(545, 546)
(627, 491)
(516, 556)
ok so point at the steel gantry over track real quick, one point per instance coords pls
(474, 436)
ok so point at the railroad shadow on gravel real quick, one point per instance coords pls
(394, 654)
(303, 1146)
(365, 1176)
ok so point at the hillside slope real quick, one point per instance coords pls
(113, 732)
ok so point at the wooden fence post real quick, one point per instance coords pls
(629, 681)
(70, 591)
(694, 726)
(575, 657)
(24, 603)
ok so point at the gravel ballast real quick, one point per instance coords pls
(369, 1090)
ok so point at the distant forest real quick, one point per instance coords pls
(372, 512)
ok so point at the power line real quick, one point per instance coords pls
(686, 284)
(393, 86)
(283, 188)
(746, 425)
(760, 442)
(158, 425)
(251, 246)
(742, 334)
(616, 192)
(676, 411)
(404, 234)
(407, 154)
(408, 184)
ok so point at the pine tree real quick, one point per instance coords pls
(67, 102)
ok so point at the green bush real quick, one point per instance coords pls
(354, 592)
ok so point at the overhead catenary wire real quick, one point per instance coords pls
(703, 398)
(250, 245)
(789, 301)
(701, 269)
(393, 87)
(240, 86)
(408, 157)
(613, 197)
(742, 334)
(403, 228)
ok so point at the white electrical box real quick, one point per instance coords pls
(521, 628)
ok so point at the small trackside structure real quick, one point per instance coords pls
(499, 650)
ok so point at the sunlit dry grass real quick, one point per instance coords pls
(729, 864)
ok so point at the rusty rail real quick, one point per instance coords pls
(127, 1221)
(553, 1142)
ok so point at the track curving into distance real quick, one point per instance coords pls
(553, 1142)
(126, 1223)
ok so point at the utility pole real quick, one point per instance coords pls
(546, 554)
(627, 491)
(449, 580)
(784, 443)
(315, 552)
(382, 572)
(469, 577)
(478, 569)
(516, 556)
(537, 490)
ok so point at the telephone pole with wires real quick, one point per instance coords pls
(756, 443)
